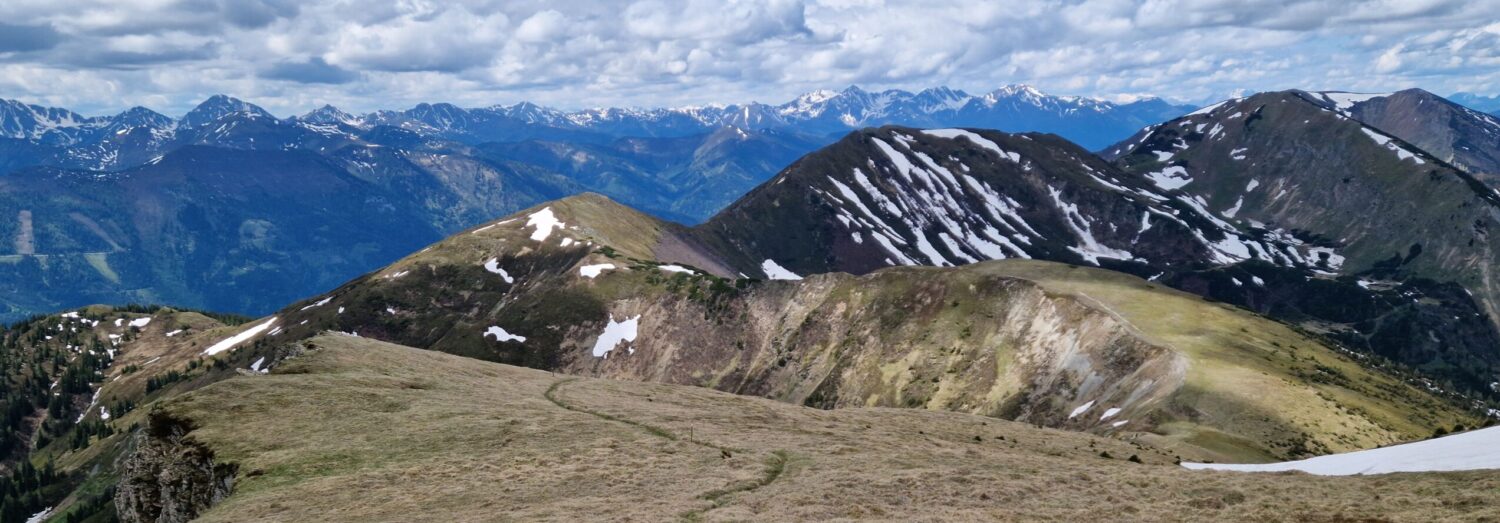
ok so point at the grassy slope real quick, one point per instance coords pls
(360, 430)
(1251, 375)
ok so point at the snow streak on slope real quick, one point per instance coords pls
(922, 205)
(951, 196)
(1475, 450)
(1385, 141)
(232, 341)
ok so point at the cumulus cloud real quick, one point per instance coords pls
(292, 55)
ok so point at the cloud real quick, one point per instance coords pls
(292, 55)
(312, 71)
(545, 26)
(448, 40)
(21, 38)
(1389, 61)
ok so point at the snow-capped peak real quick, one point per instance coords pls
(219, 106)
(329, 115)
(26, 121)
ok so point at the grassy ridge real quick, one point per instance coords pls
(359, 430)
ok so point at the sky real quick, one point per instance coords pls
(102, 56)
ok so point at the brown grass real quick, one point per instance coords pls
(367, 431)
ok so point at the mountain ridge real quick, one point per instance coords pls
(1013, 107)
(1397, 217)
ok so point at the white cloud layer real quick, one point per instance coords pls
(99, 56)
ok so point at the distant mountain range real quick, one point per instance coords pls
(1489, 104)
(1092, 123)
(194, 210)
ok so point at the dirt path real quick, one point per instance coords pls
(551, 396)
(775, 464)
(25, 238)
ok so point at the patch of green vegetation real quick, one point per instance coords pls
(100, 262)
(775, 465)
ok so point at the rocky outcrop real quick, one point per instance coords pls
(170, 478)
(975, 342)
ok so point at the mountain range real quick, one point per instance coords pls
(1091, 122)
(141, 207)
(1489, 104)
(1269, 278)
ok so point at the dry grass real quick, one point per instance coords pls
(367, 431)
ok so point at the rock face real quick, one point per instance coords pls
(969, 341)
(169, 478)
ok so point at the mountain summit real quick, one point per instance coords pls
(219, 106)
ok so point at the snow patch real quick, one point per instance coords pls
(230, 342)
(1385, 141)
(1089, 247)
(1209, 109)
(319, 303)
(1473, 450)
(777, 272)
(592, 271)
(676, 268)
(614, 333)
(1081, 409)
(493, 265)
(1346, 101)
(502, 336)
(975, 139)
(1171, 178)
(544, 221)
